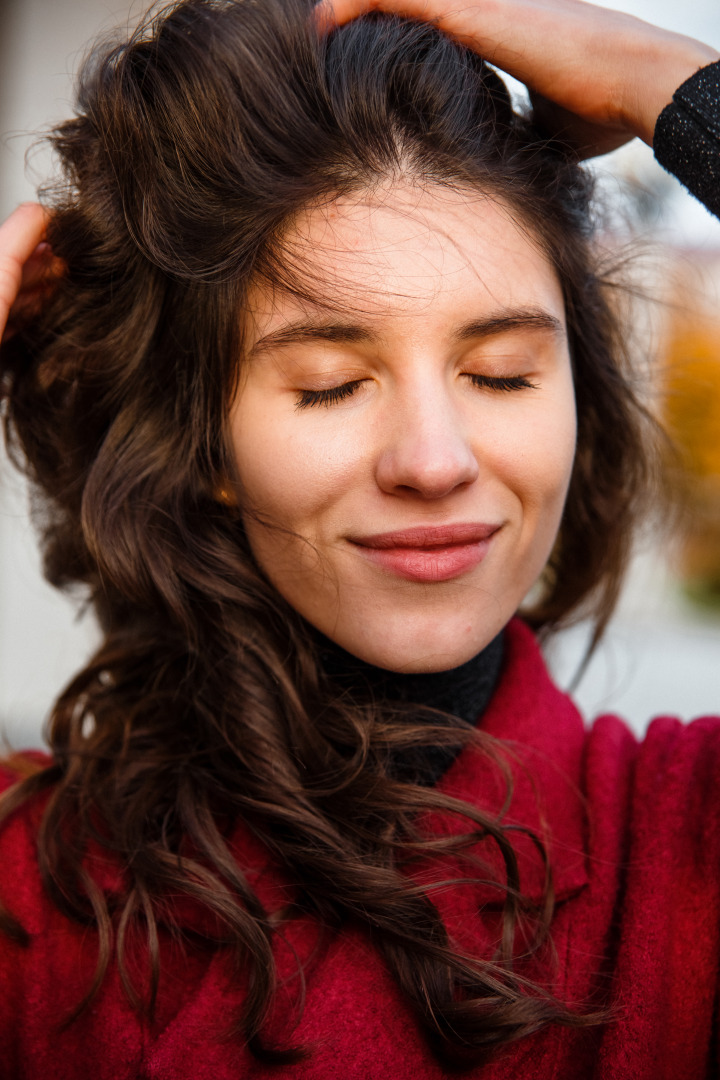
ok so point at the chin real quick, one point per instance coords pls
(420, 649)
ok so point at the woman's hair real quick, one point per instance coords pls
(194, 146)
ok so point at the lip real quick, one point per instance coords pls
(429, 553)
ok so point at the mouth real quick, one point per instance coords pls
(429, 553)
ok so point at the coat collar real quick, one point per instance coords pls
(538, 730)
(540, 733)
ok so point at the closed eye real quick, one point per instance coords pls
(502, 382)
(308, 398)
(505, 383)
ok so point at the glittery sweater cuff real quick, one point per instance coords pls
(687, 136)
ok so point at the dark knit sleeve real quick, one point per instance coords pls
(687, 136)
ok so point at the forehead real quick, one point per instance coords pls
(401, 249)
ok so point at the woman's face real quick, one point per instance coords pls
(403, 454)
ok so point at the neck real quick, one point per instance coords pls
(463, 692)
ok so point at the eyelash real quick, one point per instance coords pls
(308, 398)
(502, 382)
(505, 383)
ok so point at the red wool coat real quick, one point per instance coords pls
(635, 846)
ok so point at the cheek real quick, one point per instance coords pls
(262, 466)
(535, 459)
(549, 471)
(554, 454)
(290, 473)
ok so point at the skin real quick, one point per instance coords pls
(417, 442)
(597, 78)
(27, 267)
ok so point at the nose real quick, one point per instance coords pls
(426, 452)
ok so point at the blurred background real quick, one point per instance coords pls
(661, 654)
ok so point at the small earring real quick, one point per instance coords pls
(225, 496)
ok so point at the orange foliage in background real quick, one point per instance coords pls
(692, 417)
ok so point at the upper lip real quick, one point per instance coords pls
(429, 536)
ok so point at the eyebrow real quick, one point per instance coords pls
(299, 332)
(492, 325)
(503, 322)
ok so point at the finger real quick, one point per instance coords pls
(19, 237)
(586, 139)
(504, 33)
(23, 231)
(42, 268)
(330, 14)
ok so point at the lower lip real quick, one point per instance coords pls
(429, 564)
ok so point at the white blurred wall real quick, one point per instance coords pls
(658, 657)
(42, 643)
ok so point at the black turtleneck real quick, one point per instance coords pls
(463, 692)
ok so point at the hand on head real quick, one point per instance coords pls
(596, 77)
(28, 269)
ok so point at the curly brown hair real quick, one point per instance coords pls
(193, 146)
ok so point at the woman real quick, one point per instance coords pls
(326, 385)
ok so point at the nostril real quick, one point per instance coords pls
(427, 482)
(430, 468)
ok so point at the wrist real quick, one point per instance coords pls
(671, 71)
(687, 135)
